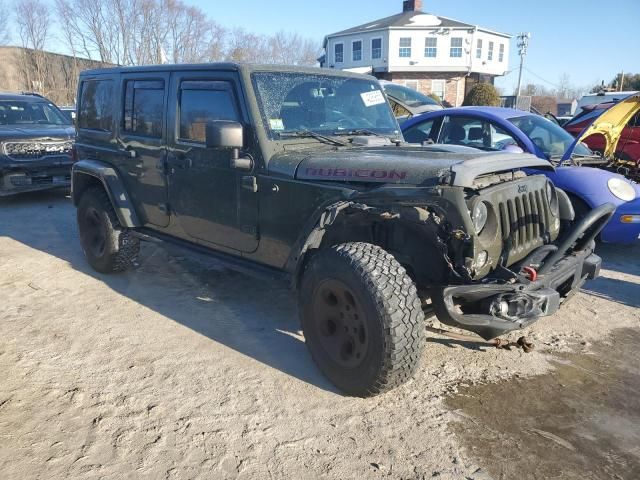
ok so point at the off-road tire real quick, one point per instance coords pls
(96, 218)
(393, 317)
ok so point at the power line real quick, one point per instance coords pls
(540, 78)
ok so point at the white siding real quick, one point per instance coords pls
(366, 61)
(443, 62)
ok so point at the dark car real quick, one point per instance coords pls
(302, 174)
(407, 102)
(36, 140)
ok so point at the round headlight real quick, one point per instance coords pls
(552, 197)
(479, 216)
(622, 189)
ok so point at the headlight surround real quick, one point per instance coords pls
(621, 189)
(552, 197)
(479, 216)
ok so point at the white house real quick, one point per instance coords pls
(426, 52)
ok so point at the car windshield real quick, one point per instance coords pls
(408, 96)
(552, 139)
(17, 112)
(299, 102)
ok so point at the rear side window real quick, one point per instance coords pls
(143, 107)
(202, 102)
(584, 116)
(96, 105)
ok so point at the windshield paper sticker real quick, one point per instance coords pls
(372, 98)
(276, 124)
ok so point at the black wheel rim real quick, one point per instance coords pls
(339, 323)
(94, 233)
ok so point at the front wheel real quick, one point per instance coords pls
(362, 318)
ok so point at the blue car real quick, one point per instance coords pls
(509, 130)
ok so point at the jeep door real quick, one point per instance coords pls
(208, 198)
(142, 133)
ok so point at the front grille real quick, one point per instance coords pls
(525, 220)
(29, 151)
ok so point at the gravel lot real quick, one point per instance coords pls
(183, 369)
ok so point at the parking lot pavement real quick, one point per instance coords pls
(183, 369)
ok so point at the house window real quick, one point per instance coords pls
(405, 47)
(356, 48)
(501, 53)
(338, 52)
(456, 47)
(413, 84)
(376, 48)
(430, 47)
(490, 54)
(479, 48)
(437, 87)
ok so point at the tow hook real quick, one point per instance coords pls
(530, 273)
(522, 342)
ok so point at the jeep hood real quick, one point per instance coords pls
(426, 166)
(610, 125)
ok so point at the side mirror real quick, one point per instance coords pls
(512, 149)
(224, 134)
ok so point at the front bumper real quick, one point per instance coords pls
(18, 177)
(492, 307)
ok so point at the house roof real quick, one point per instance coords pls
(404, 20)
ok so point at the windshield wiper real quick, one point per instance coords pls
(311, 134)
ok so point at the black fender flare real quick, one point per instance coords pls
(113, 185)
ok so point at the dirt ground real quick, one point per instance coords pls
(184, 369)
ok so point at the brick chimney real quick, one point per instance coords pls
(411, 5)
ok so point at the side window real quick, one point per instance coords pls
(420, 133)
(500, 138)
(202, 102)
(462, 131)
(96, 106)
(143, 107)
(399, 111)
(635, 121)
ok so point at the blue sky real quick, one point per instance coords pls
(568, 36)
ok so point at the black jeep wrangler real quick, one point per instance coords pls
(303, 174)
(36, 141)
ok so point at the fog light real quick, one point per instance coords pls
(482, 258)
(630, 218)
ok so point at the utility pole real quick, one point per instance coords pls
(621, 81)
(523, 43)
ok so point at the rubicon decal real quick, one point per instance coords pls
(364, 173)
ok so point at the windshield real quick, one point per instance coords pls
(16, 112)
(552, 139)
(299, 102)
(408, 96)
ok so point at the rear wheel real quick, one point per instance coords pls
(362, 319)
(107, 246)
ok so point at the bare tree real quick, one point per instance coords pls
(32, 20)
(5, 16)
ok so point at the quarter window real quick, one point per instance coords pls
(405, 47)
(456, 47)
(490, 54)
(437, 87)
(338, 52)
(501, 53)
(96, 106)
(430, 47)
(143, 107)
(202, 102)
(479, 48)
(376, 48)
(357, 50)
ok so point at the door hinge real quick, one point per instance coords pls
(249, 182)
